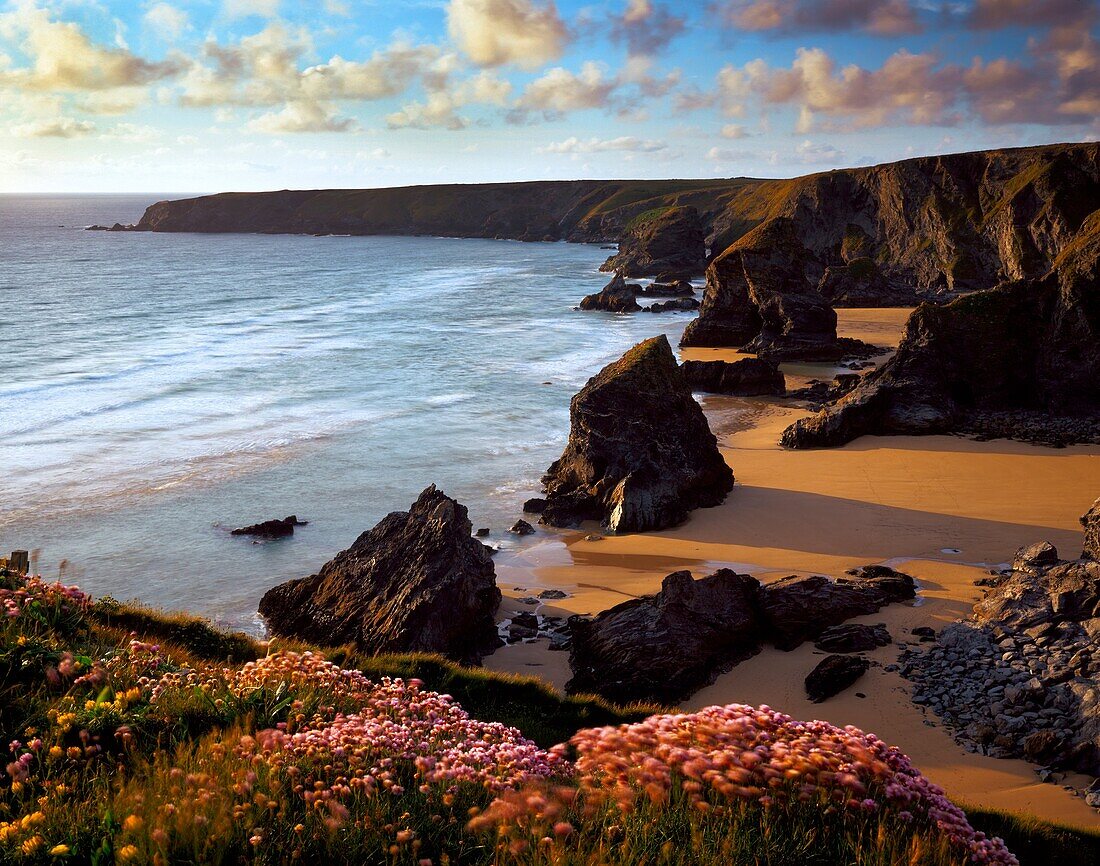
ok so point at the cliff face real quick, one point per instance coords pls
(1021, 360)
(932, 225)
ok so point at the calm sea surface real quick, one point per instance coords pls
(159, 389)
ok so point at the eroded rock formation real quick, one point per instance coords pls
(666, 646)
(1021, 361)
(416, 582)
(666, 240)
(640, 455)
(618, 296)
(747, 377)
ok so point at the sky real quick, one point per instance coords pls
(209, 95)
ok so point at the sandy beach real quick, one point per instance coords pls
(943, 509)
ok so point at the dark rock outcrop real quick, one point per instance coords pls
(666, 646)
(417, 582)
(852, 638)
(748, 377)
(665, 240)
(522, 527)
(1021, 361)
(272, 528)
(640, 454)
(618, 296)
(673, 306)
(534, 505)
(1091, 522)
(833, 675)
(1029, 682)
(673, 289)
(861, 283)
(800, 608)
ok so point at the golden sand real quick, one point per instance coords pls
(941, 508)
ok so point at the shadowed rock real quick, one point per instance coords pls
(1021, 360)
(852, 638)
(833, 675)
(271, 528)
(860, 283)
(417, 582)
(616, 297)
(672, 306)
(671, 289)
(667, 241)
(664, 647)
(747, 377)
(640, 455)
(799, 608)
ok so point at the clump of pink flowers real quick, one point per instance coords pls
(30, 591)
(736, 755)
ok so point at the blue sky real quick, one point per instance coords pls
(205, 95)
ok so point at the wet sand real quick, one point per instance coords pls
(942, 508)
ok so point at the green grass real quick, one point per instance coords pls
(1036, 842)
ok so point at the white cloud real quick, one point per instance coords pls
(246, 8)
(303, 116)
(734, 130)
(498, 32)
(167, 21)
(574, 145)
(561, 90)
(58, 127)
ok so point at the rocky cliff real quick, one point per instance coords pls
(1021, 360)
(931, 225)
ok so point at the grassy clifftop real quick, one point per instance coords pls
(133, 736)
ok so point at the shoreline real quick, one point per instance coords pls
(906, 501)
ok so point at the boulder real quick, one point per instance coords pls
(272, 528)
(535, 505)
(665, 646)
(852, 638)
(748, 377)
(416, 582)
(800, 608)
(1021, 360)
(1037, 556)
(640, 455)
(522, 527)
(833, 675)
(673, 306)
(665, 241)
(616, 297)
(1091, 523)
(672, 289)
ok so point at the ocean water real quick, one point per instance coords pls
(157, 390)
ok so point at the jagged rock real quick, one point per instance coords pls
(852, 638)
(666, 241)
(671, 289)
(536, 505)
(522, 527)
(418, 581)
(272, 528)
(861, 283)
(640, 454)
(675, 305)
(1021, 360)
(799, 608)
(1091, 522)
(665, 646)
(758, 297)
(618, 296)
(553, 594)
(833, 675)
(1038, 556)
(482, 532)
(1042, 745)
(747, 377)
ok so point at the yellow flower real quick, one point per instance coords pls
(59, 850)
(132, 823)
(33, 845)
(130, 852)
(56, 752)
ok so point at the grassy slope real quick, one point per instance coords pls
(538, 710)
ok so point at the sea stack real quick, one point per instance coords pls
(640, 455)
(417, 582)
(666, 241)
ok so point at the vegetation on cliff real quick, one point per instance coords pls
(127, 747)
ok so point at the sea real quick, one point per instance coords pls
(158, 390)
